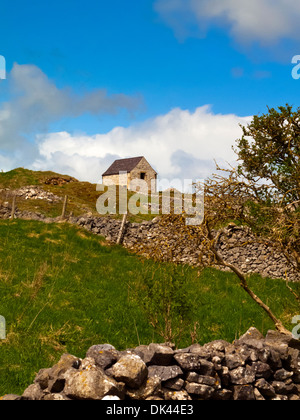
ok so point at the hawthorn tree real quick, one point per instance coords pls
(269, 156)
(262, 192)
(269, 150)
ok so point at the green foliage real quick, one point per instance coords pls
(270, 149)
(167, 300)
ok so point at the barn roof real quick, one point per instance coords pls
(122, 165)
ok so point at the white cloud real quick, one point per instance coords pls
(35, 102)
(179, 144)
(265, 21)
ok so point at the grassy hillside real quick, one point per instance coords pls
(63, 290)
(82, 196)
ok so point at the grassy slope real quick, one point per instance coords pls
(63, 290)
(82, 196)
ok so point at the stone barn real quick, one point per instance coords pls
(132, 168)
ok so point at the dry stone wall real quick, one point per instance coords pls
(252, 368)
(152, 239)
(167, 243)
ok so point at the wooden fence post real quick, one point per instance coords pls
(13, 207)
(122, 228)
(63, 214)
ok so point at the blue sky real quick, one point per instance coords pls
(90, 81)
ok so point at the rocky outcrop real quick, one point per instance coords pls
(252, 368)
(59, 180)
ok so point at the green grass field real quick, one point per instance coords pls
(63, 289)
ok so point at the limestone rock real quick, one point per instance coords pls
(104, 356)
(131, 370)
(177, 395)
(188, 361)
(33, 392)
(265, 388)
(155, 354)
(165, 373)
(10, 397)
(242, 375)
(150, 387)
(202, 391)
(244, 393)
(90, 384)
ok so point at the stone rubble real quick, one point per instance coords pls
(251, 368)
(36, 193)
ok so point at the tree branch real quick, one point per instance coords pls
(244, 284)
